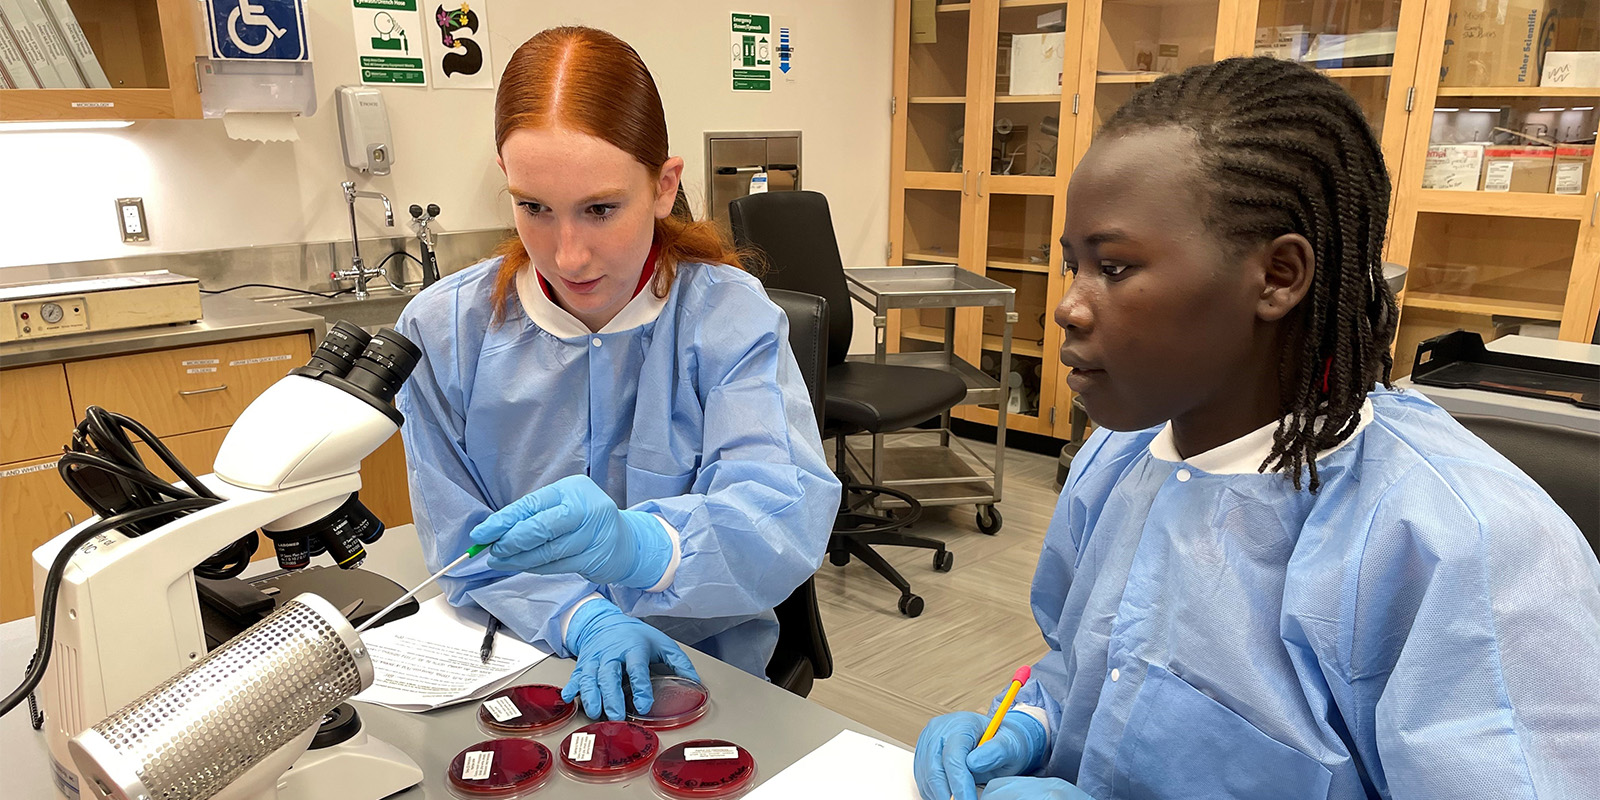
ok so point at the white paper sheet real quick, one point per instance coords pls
(851, 766)
(430, 659)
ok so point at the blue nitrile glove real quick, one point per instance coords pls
(1033, 789)
(573, 526)
(949, 763)
(606, 641)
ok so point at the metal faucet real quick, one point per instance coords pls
(358, 268)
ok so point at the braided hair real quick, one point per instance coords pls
(1285, 150)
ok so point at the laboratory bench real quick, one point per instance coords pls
(776, 727)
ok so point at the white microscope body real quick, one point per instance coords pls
(128, 618)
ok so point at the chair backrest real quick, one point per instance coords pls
(802, 654)
(1565, 462)
(794, 231)
(808, 330)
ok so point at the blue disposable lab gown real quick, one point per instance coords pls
(1427, 626)
(700, 416)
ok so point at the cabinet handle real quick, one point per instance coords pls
(966, 173)
(1594, 207)
(981, 173)
(193, 392)
(72, 522)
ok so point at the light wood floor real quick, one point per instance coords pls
(892, 672)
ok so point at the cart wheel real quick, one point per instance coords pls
(943, 561)
(839, 558)
(911, 605)
(989, 519)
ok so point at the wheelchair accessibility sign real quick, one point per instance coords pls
(271, 30)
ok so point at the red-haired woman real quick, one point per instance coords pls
(611, 402)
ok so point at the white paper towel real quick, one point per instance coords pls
(260, 126)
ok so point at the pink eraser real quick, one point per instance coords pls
(1022, 674)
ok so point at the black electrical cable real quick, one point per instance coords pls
(52, 586)
(326, 295)
(391, 256)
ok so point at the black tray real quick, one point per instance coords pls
(1458, 360)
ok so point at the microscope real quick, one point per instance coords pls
(134, 705)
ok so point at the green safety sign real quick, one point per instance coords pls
(751, 39)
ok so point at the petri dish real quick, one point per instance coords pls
(704, 768)
(608, 751)
(526, 710)
(678, 702)
(500, 769)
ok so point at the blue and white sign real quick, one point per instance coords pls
(260, 30)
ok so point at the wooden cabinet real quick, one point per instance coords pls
(147, 49)
(35, 412)
(35, 506)
(979, 172)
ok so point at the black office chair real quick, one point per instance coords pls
(1565, 462)
(802, 656)
(794, 231)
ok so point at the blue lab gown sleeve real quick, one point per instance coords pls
(448, 497)
(1480, 665)
(763, 499)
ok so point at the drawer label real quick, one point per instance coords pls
(12, 473)
(201, 362)
(198, 370)
(262, 360)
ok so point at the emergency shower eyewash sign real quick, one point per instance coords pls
(751, 51)
(389, 42)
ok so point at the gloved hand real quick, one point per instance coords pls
(606, 641)
(1033, 789)
(949, 763)
(573, 526)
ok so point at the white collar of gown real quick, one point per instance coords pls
(641, 310)
(1244, 455)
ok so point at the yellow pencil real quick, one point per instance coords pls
(1005, 704)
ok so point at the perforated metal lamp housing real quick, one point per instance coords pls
(200, 730)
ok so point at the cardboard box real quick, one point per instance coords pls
(1571, 68)
(1037, 60)
(1286, 42)
(1453, 167)
(1570, 174)
(1495, 43)
(1517, 168)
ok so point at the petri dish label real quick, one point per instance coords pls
(581, 747)
(502, 709)
(709, 753)
(478, 765)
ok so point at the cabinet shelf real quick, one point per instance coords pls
(1016, 265)
(1019, 347)
(1484, 306)
(1044, 185)
(941, 99)
(932, 258)
(1130, 77)
(1028, 98)
(923, 333)
(948, 7)
(1504, 204)
(1519, 91)
(1030, 3)
(1358, 72)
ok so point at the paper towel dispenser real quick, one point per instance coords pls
(736, 162)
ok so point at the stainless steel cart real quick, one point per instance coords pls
(937, 475)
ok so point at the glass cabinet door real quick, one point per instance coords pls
(1142, 40)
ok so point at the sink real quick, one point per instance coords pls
(379, 310)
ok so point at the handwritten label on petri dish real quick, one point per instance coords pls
(582, 747)
(477, 765)
(709, 753)
(502, 709)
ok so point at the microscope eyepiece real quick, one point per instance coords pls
(384, 365)
(339, 349)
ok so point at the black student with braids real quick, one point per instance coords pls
(1270, 575)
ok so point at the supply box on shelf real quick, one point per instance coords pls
(1494, 43)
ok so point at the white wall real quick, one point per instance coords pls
(203, 190)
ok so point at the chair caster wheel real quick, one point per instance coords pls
(839, 558)
(910, 605)
(989, 519)
(943, 561)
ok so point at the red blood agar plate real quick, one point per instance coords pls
(704, 768)
(678, 702)
(524, 710)
(608, 751)
(500, 769)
